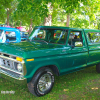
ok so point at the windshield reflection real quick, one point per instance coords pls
(49, 35)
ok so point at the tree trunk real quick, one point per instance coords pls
(45, 20)
(48, 20)
(68, 19)
(30, 27)
(7, 16)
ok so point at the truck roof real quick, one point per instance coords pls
(62, 27)
(91, 30)
(8, 29)
(57, 27)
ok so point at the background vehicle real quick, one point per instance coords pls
(9, 35)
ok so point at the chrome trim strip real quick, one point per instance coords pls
(11, 70)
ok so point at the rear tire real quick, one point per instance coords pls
(98, 68)
(42, 82)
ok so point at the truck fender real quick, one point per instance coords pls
(47, 64)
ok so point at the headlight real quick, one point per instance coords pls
(19, 67)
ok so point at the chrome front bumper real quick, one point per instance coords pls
(12, 76)
(13, 80)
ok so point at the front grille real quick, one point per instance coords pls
(8, 66)
(7, 63)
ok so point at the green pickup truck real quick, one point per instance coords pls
(47, 52)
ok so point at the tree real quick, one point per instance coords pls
(7, 7)
(62, 8)
(89, 10)
(48, 19)
(32, 11)
(69, 7)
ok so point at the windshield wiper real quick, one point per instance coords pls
(44, 41)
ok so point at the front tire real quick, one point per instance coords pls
(98, 68)
(42, 82)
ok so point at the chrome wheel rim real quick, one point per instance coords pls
(44, 82)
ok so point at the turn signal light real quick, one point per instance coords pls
(30, 60)
(19, 59)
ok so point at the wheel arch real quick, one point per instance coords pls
(54, 67)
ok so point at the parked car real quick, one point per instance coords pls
(49, 50)
(8, 35)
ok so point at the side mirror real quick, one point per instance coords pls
(78, 44)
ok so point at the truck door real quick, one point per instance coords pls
(93, 40)
(78, 51)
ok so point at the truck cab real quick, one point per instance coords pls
(8, 35)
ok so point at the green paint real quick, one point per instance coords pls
(65, 57)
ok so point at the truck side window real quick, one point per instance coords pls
(75, 39)
(93, 37)
(10, 36)
(59, 36)
(41, 34)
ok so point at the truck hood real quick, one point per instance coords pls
(31, 49)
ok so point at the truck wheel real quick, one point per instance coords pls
(98, 68)
(42, 82)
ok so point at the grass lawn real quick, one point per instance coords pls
(81, 85)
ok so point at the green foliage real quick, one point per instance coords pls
(5, 3)
(7, 7)
(69, 6)
(37, 10)
(79, 21)
(2, 13)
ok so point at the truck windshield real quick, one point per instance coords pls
(49, 35)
